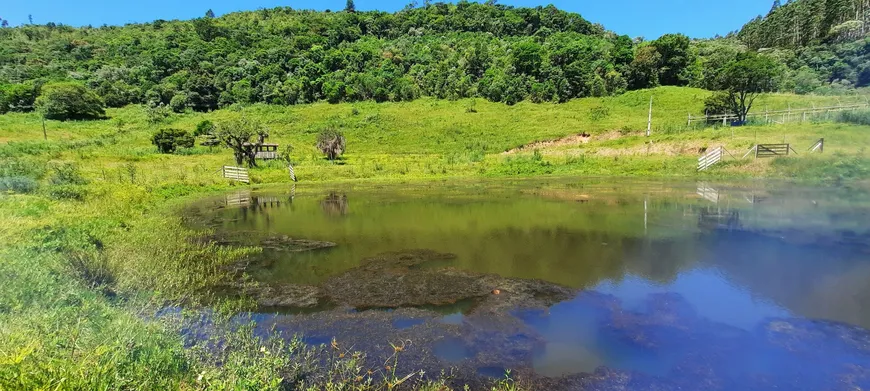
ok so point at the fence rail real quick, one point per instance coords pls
(710, 158)
(818, 146)
(236, 173)
(771, 150)
(778, 116)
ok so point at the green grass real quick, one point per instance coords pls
(81, 212)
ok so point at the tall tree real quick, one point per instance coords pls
(209, 14)
(350, 6)
(742, 80)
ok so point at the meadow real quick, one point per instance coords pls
(93, 244)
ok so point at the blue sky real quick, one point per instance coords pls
(647, 18)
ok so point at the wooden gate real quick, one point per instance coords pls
(772, 150)
(236, 173)
(710, 158)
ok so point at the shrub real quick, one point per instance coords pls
(22, 167)
(17, 184)
(156, 114)
(204, 128)
(168, 140)
(67, 174)
(65, 101)
(858, 117)
(178, 103)
(18, 97)
(331, 142)
(67, 192)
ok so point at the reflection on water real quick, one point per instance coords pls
(664, 273)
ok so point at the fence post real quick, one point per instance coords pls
(822, 145)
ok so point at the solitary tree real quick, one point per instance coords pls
(350, 7)
(4, 23)
(209, 14)
(237, 134)
(331, 142)
(742, 80)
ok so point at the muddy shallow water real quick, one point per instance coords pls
(569, 283)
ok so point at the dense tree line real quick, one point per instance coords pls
(824, 41)
(287, 56)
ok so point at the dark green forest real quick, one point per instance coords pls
(444, 50)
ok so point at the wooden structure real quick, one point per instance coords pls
(292, 172)
(778, 116)
(711, 157)
(236, 173)
(818, 146)
(264, 151)
(770, 150)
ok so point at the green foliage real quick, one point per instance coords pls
(67, 192)
(237, 134)
(741, 81)
(204, 128)
(17, 184)
(178, 103)
(156, 114)
(857, 117)
(18, 97)
(331, 142)
(67, 174)
(168, 140)
(66, 101)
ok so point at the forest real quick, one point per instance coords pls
(456, 50)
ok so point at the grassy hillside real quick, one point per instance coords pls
(92, 242)
(430, 138)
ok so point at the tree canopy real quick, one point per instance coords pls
(443, 50)
(65, 101)
(742, 80)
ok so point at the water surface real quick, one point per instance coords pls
(643, 284)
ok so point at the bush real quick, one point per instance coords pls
(23, 167)
(67, 174)
(17, 184)
(156, 114)
(67, 192)
(178, 103)
(204, 128)
(65, 101)
(331, 142)
(18, 97)
(168, 140)
(858, 117)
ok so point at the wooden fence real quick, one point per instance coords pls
(236, 173)
(711, 157)
(818, 146)
(778, 116)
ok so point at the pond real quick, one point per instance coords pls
(571, 283)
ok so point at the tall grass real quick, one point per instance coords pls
(857, 117)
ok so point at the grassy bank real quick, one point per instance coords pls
(93, 245)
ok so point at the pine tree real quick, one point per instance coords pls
(350, 7)
(4, 23)
(209, 14)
